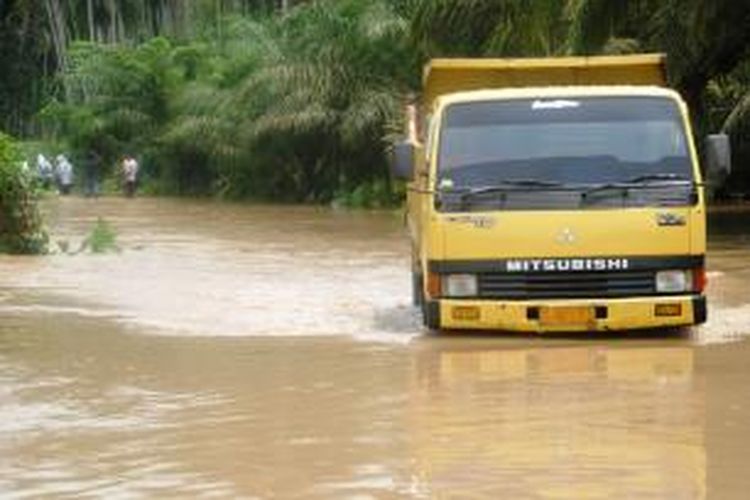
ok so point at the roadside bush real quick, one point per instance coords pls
(21, 230)
(103, 238)
(375, 194)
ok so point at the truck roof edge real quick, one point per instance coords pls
(443, 76)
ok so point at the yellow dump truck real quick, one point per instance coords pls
(556, 194)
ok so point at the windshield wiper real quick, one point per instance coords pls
(508, 185)
(642, 181)
(465, 194)
(656, 177)
(646, 181)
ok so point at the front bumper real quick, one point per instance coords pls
(521, 316)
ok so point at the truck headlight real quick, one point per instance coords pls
(674, 281)
(460, 285)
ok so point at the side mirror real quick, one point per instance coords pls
(718, 156)
(402, 164)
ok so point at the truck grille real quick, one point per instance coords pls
(566, 285)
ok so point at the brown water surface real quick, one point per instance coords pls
(253, 351)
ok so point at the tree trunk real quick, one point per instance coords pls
(112, 21)
(57, 30)
(90, 16)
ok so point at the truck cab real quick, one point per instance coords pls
(555, 195)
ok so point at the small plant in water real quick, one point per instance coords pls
(102, 238)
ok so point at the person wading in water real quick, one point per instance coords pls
(130, 175)
(91, 166)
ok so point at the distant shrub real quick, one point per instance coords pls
(103, 238)
(374, 194)
(21, 228)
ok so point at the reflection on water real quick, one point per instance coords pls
(92, 409)
(728, 276)
(249, 351)
(561, 422)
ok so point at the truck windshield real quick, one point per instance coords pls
(564, 143)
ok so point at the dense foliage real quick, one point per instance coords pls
(297, 100)
(20, 224)
(294, 107)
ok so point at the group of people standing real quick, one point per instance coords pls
(61, 173)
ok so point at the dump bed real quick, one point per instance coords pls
(443, 76)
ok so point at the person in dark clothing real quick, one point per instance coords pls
(91, 167)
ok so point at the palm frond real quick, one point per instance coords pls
(593, 22)
(738, 119)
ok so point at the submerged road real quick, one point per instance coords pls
(253, 351)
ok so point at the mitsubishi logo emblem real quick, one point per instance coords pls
(566, 236)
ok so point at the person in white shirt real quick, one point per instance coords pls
(130, 175)
(44, 170)
(64, 174)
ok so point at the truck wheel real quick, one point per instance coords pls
(417, 296)
(430, 310)
(431, 314)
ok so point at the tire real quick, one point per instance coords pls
(417, 296)
(431, 315)
(429, 309)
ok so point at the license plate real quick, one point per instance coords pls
(465, 313)
(566, 315)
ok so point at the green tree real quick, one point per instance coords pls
(295, 99)
(292, 107)
(326, 98)
(117, 97)
(500, 28)
(23, 64)
(20, 223)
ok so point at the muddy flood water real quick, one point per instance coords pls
(239, 351)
